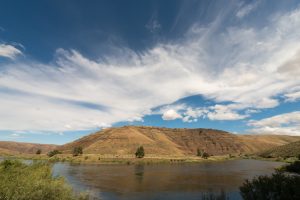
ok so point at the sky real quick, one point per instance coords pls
(70, 68)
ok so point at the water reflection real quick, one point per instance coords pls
(177, 181)
(139, 172)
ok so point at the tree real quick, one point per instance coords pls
(140, 153)
(38, 152)
(53, 153)
(199, 152)
(202, 153)
(77, 151)
(205, 155)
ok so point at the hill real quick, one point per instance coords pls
(14, 148)
(257, 143)
(288, 150)
(175, 142)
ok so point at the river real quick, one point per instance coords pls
(163, 181)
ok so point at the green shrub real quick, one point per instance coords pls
(140, 153)
(77, 151)
(19, 181)
(199, 152)
(202, 153)
(38, 152)
(293, 167)
(205, 155)
(53, 153)
(278, 186)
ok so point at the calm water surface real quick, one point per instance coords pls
(162, 181)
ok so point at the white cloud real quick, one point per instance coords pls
(291, 97)
(171, 115)
(9, 51)
(282, 124)
(241, 65)
(224, 112)
(15, 135)
(192, 114)
(247, 9)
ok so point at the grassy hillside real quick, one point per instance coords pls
(158, 142)
(284, 151)
(13, 148)
(258, 143)
(175, 142)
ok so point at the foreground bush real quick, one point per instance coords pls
(19, 181)
(278, 186)
(294, 167)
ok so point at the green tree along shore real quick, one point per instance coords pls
(19, 181)
(140, 152)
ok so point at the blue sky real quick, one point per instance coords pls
(69, 68)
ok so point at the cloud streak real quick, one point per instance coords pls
(247, 9)
(240, 65)
(283, 124)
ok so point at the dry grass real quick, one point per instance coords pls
(175, 142)
(15, 148)
(284, 151)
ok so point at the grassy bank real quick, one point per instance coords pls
(19, 181)
(125, 159)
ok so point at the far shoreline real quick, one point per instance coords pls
(131, 160)
(121, 159)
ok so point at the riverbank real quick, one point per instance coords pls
(150, 159)
(275, 159)
(123, 159)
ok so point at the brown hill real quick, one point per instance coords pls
(258, 143)
(175, 142)
(284, 151)
(13, 148)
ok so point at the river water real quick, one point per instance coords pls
(163, 181)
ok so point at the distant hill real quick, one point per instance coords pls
(288, 150)
(176, 142)
(13, 148)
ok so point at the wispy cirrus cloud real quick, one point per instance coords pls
(240, 65)
(244, 10)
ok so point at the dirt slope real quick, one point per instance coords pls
(13, 148)
(176, 142)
